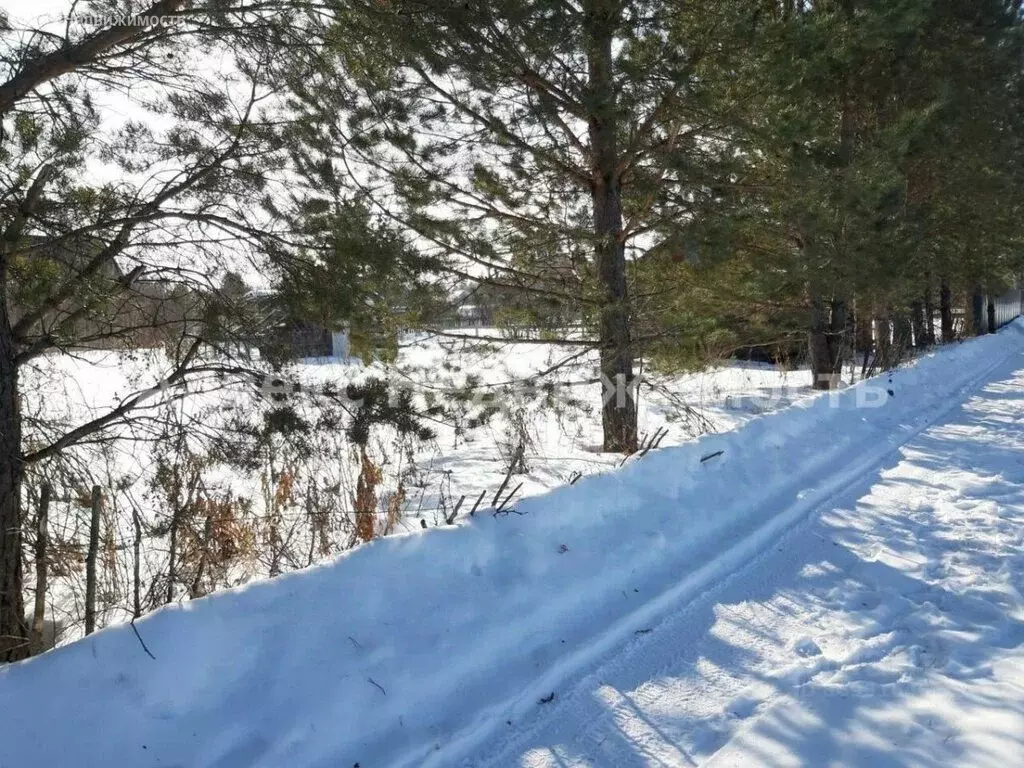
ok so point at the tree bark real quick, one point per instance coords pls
(883, 341)
(197, 583)
(618, 412)
(862, 328)
(14, 641)
(929, 316)
(901, 335)
(826, 341)
(991, 315)
(863, 340)
(39, 612)
(14, 634)
(827, 335)
(977, 307)
(945, 312)
(917, 324)
(172, 557)
(90, 562)
(137, 566)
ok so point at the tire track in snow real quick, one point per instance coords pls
(586, 700)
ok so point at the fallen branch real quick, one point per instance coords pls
(646, 445)
(501, 508)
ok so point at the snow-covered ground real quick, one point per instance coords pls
(564, 436)
(557, 420)
(838, 583)
(886, 628)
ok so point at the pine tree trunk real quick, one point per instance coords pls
(917, 324)
(39, 612)
(929, 316)
(14, 644)
(137, 565)
(826, 341)
(90, 562)
(977, 307)
(883, 341)
(172, 555)
(618, 412)
(196, 590)
(862, 333)
(901, 336)
(945, 312)
(991, 315)
(818, 346)
(828, 319)
(863, 340)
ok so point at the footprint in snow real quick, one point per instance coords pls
(930, 654)
(743, 707)
(806, 647)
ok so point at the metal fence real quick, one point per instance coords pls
(1007, 307)
(991, 313)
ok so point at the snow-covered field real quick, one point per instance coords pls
(838, 583)
(557, 421)
(565, 440)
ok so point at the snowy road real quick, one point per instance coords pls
(885, 629)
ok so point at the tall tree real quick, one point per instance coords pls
(535, 145)
(92, 263)
(118, 232)
(847, 101)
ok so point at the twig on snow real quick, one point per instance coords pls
(141, 641)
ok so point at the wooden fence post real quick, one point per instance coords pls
(90, 563)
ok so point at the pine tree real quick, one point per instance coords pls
(865, 124)
(118, 233)
(537, 146)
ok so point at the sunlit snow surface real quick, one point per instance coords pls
(841, 585)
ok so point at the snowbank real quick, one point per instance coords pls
(408, 650)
